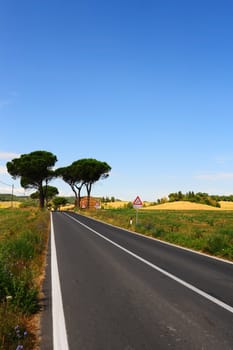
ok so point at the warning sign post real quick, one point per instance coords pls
(137, 203)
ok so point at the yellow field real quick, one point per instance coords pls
(67, 207)
(183, 205)
(226, 205)
(9, 204)
(115, 205)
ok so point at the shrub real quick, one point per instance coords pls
(158, 232)
(23, 237)
(129, 205)
(216, 244)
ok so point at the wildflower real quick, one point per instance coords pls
(17, 331)
(19, 347)
(9, 297)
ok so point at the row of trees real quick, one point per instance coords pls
(199, 197)
(35, 170)
(192, 196)
(109, 200)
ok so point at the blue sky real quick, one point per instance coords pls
(146, 86)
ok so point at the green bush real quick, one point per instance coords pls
(216, 244)
(129, 205)
(23, 237)
(24, 295)
(158, 232)
(16, 276)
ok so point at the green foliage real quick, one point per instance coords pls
(8, 197)
(58, 202)
(108, 200)
(17, 252)
(4, 197)
(216, 244)
(202, 198)
(72, 176)
(93, 170)
(33, 169)
(158, 232)
(208, 231)
(23, 237)
(86, 172)
(49, 193)
(129, 205)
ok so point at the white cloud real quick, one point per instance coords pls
(8, 155)
(22, 192)
(3, 169)
(8, 189)
(215, 176)
(5, 189)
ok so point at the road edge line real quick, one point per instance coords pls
(60, 341)
(164, 272)
(162, 242)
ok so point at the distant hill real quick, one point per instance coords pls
(185, 205)
(6, 197)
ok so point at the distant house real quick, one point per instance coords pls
(94, 203)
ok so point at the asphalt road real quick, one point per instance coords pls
(123, 291)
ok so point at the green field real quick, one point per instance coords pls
(207, 231)
(23, 242)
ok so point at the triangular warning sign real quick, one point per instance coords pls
(137, 202)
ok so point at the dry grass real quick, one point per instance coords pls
(120, 204)
(8, 204)
(181, 205)
(115, 205)
(67, 207)
(184, 205)
(226, 205)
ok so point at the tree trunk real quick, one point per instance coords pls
(46, 194)
(41, 196)
(79, 195)
(88, 187)
(76, 201)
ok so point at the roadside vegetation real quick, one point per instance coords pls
(199, 197)
(23, 241)
(207, 231)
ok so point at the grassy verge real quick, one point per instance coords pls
(23, 240)
(207, 231)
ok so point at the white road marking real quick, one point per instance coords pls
(168, 243)
(164, 272)
(59, 327)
